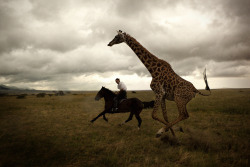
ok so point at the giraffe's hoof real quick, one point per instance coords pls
(158, 135)
(160, 132)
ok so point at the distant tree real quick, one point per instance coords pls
(60, 93)
(41, 95)
(21, 96)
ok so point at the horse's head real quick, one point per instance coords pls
(100, 94)
(104, 92)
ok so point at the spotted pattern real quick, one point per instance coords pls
(165, 83)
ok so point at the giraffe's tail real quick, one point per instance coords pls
(207, 87)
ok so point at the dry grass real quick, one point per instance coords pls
(55, 131)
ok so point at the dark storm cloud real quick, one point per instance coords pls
(134, 8)
(36, 26)
(228, 41)
(48, 11)
(11, 30)
(48, 39)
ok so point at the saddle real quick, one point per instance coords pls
(116, 103)
(122, 100)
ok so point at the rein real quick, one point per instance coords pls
(109, 95)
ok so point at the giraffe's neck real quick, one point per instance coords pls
(147, 58)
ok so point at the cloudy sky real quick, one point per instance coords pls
(62, 44)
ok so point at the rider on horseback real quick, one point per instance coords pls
(122, 94)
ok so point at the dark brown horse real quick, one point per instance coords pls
(132, 105)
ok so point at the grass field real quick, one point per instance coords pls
(55, 131)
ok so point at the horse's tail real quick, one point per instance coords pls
(149, 104)
(207, 87)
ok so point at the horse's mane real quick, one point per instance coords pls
(109, 91)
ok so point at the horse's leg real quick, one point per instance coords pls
(102, 113)
(130, 117)
(104, 117)
(139, 120)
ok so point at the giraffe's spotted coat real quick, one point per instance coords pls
(165, 83)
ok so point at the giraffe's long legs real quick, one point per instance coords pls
(158, 100)
(183, 114)
(164, 112)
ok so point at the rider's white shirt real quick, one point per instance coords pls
(122, 86)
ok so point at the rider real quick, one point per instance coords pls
(122, 94)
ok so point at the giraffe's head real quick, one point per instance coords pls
(119, 38)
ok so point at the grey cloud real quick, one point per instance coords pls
(230, 69)
(48, 10)
(238, 8)
(18, 31)
(49, 49)
(38, 65)
(8, 20)
(142, 8)
(11, 33)
(131, 8)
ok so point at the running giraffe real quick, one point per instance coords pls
(165, 83)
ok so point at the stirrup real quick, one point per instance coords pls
(114, 109)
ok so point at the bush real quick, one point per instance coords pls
(41, 95)
(22, 96)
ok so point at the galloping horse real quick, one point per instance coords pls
(132, 105)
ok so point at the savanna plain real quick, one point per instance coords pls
(56, 131)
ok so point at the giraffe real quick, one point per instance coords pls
(166, 84)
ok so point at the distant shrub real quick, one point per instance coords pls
(41, 95)
(21, 96)
(59, 93)
(3, 94)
